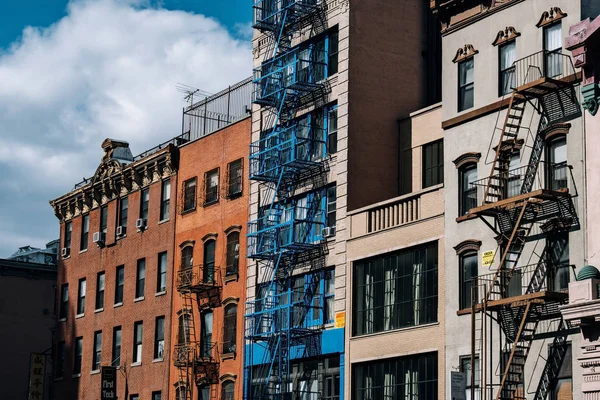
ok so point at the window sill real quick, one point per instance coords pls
(163, 221)
(233, 196)
(121, 237)
(231, 278)
(83, 251)
(62, 320)
(67, 257)
(136, 364)
(191, 210)
(76, 375)
(391, 331)
(98, 310)
(118, 305)
(464, 311)
(466, 217)
(161, 293)
(157, 360)
(228, 356)
(80, 316)
(138, 299)
(210, 203)
(95, 372)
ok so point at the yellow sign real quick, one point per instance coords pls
(37, 370)
(487, 259)
(340, 319)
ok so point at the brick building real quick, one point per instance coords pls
(115, 275)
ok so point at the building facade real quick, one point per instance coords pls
(116, 241)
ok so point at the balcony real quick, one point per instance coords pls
(199, 278)
(288, 150)
(545, 71)
(185, 354)
(270, 15)
(206, 364)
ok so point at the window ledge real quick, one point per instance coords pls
(67, 257)
(191, 210)
(62, 320)
(391, 331)
(118, 304)
(95, 372)
(136, 364)
(228, 356)
(83, 251)
(80, 316)
(98, 310)
(231, 277)
(121, 237)
(138, 299)
(163, 221)
(466, 217)
(233, 196)
(157, 360)
(76, 375)
(210, 203)
(161, 293)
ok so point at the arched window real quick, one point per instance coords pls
(230, 328)
(467, 191)
(181, 392)
(183, 335)
(468, 278)
(233, 253)
(187, 257)
(227, 390)
(204, 392)
(209, 260)
(206, 334)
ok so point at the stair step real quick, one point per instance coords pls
(513, 126)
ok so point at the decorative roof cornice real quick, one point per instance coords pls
(506, 35)
(551, 16)
(465, 52)
(467, 158)
(467, 245)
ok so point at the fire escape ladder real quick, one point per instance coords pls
(540, 274)
(515, 364)
(186, 348)
(495, 189)
(556, 356)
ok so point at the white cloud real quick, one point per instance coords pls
(107, 69)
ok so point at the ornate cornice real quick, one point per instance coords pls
(228, 377)
(467, 158)
(233, 228)
(187, 243)
(210, 236)
(231, 300)
(506, 35)
(465, 52)
(551, 16)
(556, 129)
(467, 245)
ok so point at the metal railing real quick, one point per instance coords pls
(543, 64)
(198, 276)
(268, 14)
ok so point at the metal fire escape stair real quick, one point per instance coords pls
(186, 349)
(556, 356)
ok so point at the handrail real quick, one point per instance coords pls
(543, 64)
(198, 275)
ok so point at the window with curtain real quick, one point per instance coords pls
(230, 328)
(465, 367)
(556, 167)
(466, 85)
(189, 194)
(396, 290)
(467, 191)
(209, 261)
(408, 378)
(187, 257)
(233, 253)
(508, 55)
(211, 186)
(553, 50)
(468, 278)
(183, 333)
(235, 178)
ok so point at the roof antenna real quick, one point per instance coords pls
(190, 91)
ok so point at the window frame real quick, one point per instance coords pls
(230, 328)
(159, 338)
(465, 302)
(209, 260)
(236, 181)
(502, 91)
(140, 279)
(165, 200)
(228, 390)
(138, 340)
(97, 351)
(85, 232)
(463, 201)
(59, 370)
(64, 302)
(81, 292)
(553, 167)
(189, 194)
(117, 344)
(331, 206)
(465, 362)
(331, 114)
(184, 257)
(464, 87)
(100, 288)
(104, 219)
(552, 52)
(437, 163)
(119, 285)
(211, 193)
(68, 234)
(233, 253)
(144, 204)
(123, 212)
(161, 272)
(78, 356)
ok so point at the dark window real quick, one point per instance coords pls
(468, 279)
(507, 56)
(120, 281)
(97, 356)
(563, 389)
(144, 201)
(411, 377)
(60, 360)
(85, 232)
(161, 279)
(233, 253)
(236, 179)
(228, 390)
(206, 334)
(64, 301)
(159, 338)
(123, 211)
(156, 395)
(138, 333)
(558, 260)
(116, 347)
(331, 206)
(134, 397)
(468, 191)
(332, 129)
(100, 291)
(187, 257)
(333, 50)
(181, 393)
(466, 86)
(68, 231)
(77, 355)
(183, 333)
(140, 282)
(396, 290)
(433, 163)
(81, 297)
(230, 328)
(553, 47)
(557, 168)
(209, 261)
(165, 200)
(204, 393)
(329, 294)
(465, 367)
(103, 219)
(189, 194)
(211, 186)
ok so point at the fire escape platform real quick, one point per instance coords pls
(540, 195)
(541, 297)
(542, 86)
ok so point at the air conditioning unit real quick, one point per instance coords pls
(65, 252)
(140, 224)
(328, 232)
(99, 238)
(121, 231)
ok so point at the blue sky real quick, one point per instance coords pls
(74, 73)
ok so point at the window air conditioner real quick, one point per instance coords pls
(65, 252)
(140, 224)
(121, 231)
(328, 232)
(99, 238)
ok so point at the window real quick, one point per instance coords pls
(85, 232)
(183, 333)
(209, 261)
(100, 291)
(77, 355)
(144, 201)
(116, 347)
(333, 50)
(465, 84)
(230, 328)
(235, 178)
(123, 211)
(68, 231)
(396, 290)
(557, 168)
(332, 128)
(228, 390)
(558, 260)
(206, 334)
(97, 356)
(563, 388)
(187, 257)
(120, 281)
(159, 338)
(103, 219)
(553, 48)
(134, 397)
(156, 395)
(81, 297)
(64, 301)
(433, 163)
(508, 55)
(165, 200)
(468, 191)
(161, 279)
(465, 367)
(60, 360)
(329, 294)
(233, 253)
(181, 393)
(138, 332)
(211, 186)
(141, 278)
(411, 377)
(331, 206)
(189, 194)
(513, 187)
(204, 392)
(468, 279)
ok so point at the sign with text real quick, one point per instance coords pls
(37, 372)
(109, 383)
(458, 385)
(487, 258)
(340, 319)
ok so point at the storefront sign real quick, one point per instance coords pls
(109, 383)
(37, 372)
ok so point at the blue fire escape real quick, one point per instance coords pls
(288, 230)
